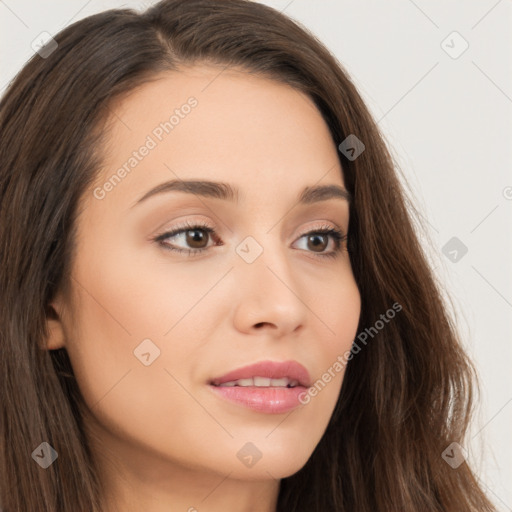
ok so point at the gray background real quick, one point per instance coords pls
(447, 120)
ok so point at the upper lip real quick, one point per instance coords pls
(270, 369)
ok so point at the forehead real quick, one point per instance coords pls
(225, 125)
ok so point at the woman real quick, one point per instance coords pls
(213, 297)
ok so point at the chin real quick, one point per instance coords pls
(266, 460)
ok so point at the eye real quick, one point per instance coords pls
(318, 240)
(196, 236)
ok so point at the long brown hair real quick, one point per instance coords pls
(407, 395)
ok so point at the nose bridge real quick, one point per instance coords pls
(267, 285)
(264, 256)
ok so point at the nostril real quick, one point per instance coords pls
(261, 324)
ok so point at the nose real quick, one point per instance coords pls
(269, 296)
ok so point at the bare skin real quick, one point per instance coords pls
(164, 441)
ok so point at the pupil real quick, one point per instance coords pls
(315, 239)
(197, 236)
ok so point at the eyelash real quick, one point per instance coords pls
(337, 235)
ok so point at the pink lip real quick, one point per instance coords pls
(270, 369)
(273, 400)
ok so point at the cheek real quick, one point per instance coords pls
(338, 309)
(338, 312)
(127, 398)
(130, 311)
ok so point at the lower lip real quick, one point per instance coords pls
(268, 400)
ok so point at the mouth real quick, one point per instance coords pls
(260, 382)
(267, 387)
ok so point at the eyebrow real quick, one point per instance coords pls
(226, 192)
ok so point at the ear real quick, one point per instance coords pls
(56, 335)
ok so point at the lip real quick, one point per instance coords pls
(270, 400)
(271, 369)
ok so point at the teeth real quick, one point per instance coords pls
(262, 382)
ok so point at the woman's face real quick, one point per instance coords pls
(148, 329)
